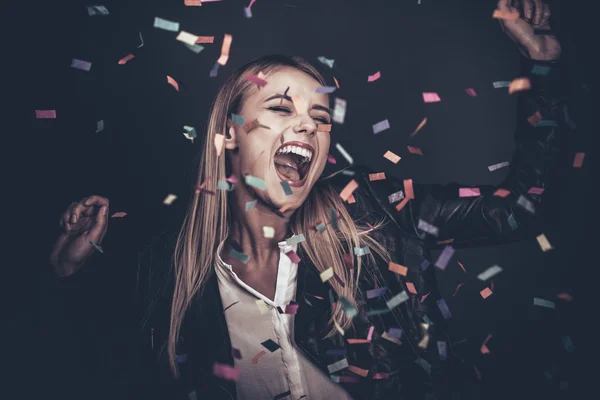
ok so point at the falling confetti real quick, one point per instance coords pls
(397, 300)
(294, 257)
(468, 192)
(326, 89)
(80, 64)
(196, 48)
(394, 197)
(373, 293)
(299, 238)
(543, 303)
(173, 82)
(414, 150)
(421, 125)
(187, 38)
(535, 118)
(344, 153)
(374, 77)
(244, 258)
(485, 293)
(379, 176)
(191, 3)
(444, 308)
(471, 92)
(498, 166)
(431, 97)
(142, 40)
(326, 275)
(190, 132)
(347, 191)
(502, 193)
(337, 366)
(97, 247)
(226, 372)
(489, 273)
(205, 39)
(256, 80)
(543, 242)
(119, 214)
(500, 84)
(535, 190)
(339, 111)
(361, 251)
(225, 49)
(326, 61)
(427, 227)
(286, 188)
(97, 10)
(169, 199)
(442, 261)
(45, 114)
(411, 288)
(392, 157)
(166, 24)
(578, 162)
(250, 205)
(324, 128)
(397, 268)
(519, 85)
(124, 60)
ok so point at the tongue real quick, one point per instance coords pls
(287, 167)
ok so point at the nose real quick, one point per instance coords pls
(305, 125)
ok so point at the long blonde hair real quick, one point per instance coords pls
(206, 223)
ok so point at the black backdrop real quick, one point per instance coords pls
(436, 46)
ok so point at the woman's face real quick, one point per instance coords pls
(286, 146)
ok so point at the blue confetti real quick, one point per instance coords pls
(237, 119)
(286, 188)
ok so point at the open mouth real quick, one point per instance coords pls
(292, 162)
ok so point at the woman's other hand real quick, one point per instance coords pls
(83, 222)
(534, 15)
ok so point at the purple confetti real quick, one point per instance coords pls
(394, 333)
(425, 264)
(444, 308)
(80, 64)
(376, 292)
(442, 261)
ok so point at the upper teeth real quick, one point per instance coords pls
(296, 150)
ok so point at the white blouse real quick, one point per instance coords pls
(285, 368)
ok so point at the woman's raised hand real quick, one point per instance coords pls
(83, 222)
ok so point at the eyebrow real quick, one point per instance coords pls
(288, 98)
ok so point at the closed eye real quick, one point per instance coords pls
(288, 111)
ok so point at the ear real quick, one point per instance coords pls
(231, 142)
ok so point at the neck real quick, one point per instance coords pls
(247, 230)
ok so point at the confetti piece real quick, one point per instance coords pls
(507, 15)
(247, 12)
(196, 48)
(361, 251)
(378, 312)
(471, 92)
(256, 80)
(512, 222)
(568, 344)
(381, 375)
(225, 49)
(394, 197)
(543, 242)
(349, 308)
(462, 267)
(423, 364)
(424, 297)
(411, 287)
(565, 296)
(237, 119)
(377, 176)
(484, 349)
(489, 273)
(169, 199)
(458, 287)
(527, 205)
(268, 232)
(442, 351)
(142, 40)
(427, 227)
(442, 261)
(347, 191)
(519, 85)
(543, 303)
(415, 150)
(239, 255)
(535, 190)
(348, 172)
(45, 114)
(181, 358)
(190, 132)
(468, 192)
(535, 118)
(262, 306)
(190, 3)
(578, 162)
(291, 309)
(286, 188)
(293, 256)
(447, 241)
(339, 111)
(97, 247)
(80, 64)
(425, 264)
(187, 38)
(392, 157)
(326, 61)
(381, 126)
(99, 126)
(324, 128)
(502, 193)
(403, 203)
(326, 275)
(119, 214)
(205, 39)
(397, 268)
(259, 355)
(421, 125)
(224, 185)
(431, 97)
(408, 188)
(256, 182)
(326, 89)
(498, 166)
(300, 104)
(219, 141)
(333, 217)
(97, 10)
(299, 238)
(166, 24)
(540, 70)
(397, 299)
(337, 84)
(331, 159)
(358, 371)
(500, 84)
(172, 82)
(320, 227)
(374, 77)
(444, 308)
(270, 345)
(125, 59)
(344, 153)
(337, 366)
(226, 372)
(250, 205)
(485, 293)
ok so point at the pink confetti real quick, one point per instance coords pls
(411, 287)
(536, 190)
(424, 297)
(173, 83)
(471, 92)
(415, 150)
(578, 162)
(45, 114)
(431, 97)
(485, 293)
(119, 214)
(458, 287)
(293, 256)
(331, 159)
(291, 308)
(468, 192)
(374, 77)
(232, 179)
(255, 79)
(370, 334)
(381, 375)
(463, 268)
(226, 372)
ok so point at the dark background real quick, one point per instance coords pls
(142, 155)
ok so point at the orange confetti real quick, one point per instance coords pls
(411, 287)
(251, 125)
(422, 124)
(448, 241)
(119, 214)
(219, 141)
(377, 177)
(351, 199)
(358, 341)
(519, 85)
(403, 203)
(415, 150)
(358, 371)
(392, 157)
(347, 191)
(535, 118)
(190, 3)
(205, 39)
(408, 189)
(259, 355)
(463, 268)
(485, 293)
(397, 268)
(565, 296)
(578, 162)
(336, 82)
(458, 287)
(173, 83)
(324, 128)
(507, 15)
(125, 59)
(285, 208)
(225, 49)
(502, 193)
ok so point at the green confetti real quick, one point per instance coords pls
(97, 10)
(166, 24)
(250, 205)
(256, 182)
(196, 48)
(295, 239)
(99, 126)
(326, 61)
(97, 247)
(223, 185)
(361, 251)
(240, 256)
(237, 119)
(286, 188)
(321, 227)
(348, 307)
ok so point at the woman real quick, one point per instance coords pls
(330, 314)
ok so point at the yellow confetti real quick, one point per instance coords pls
(268, 232)
(392, 157)
(327, 274)
(544, 243)
(169, 199)
(187, 38)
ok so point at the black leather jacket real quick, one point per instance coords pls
(413, 372)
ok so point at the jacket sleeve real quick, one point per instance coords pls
(507, 212)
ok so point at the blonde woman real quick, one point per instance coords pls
(241, 306)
